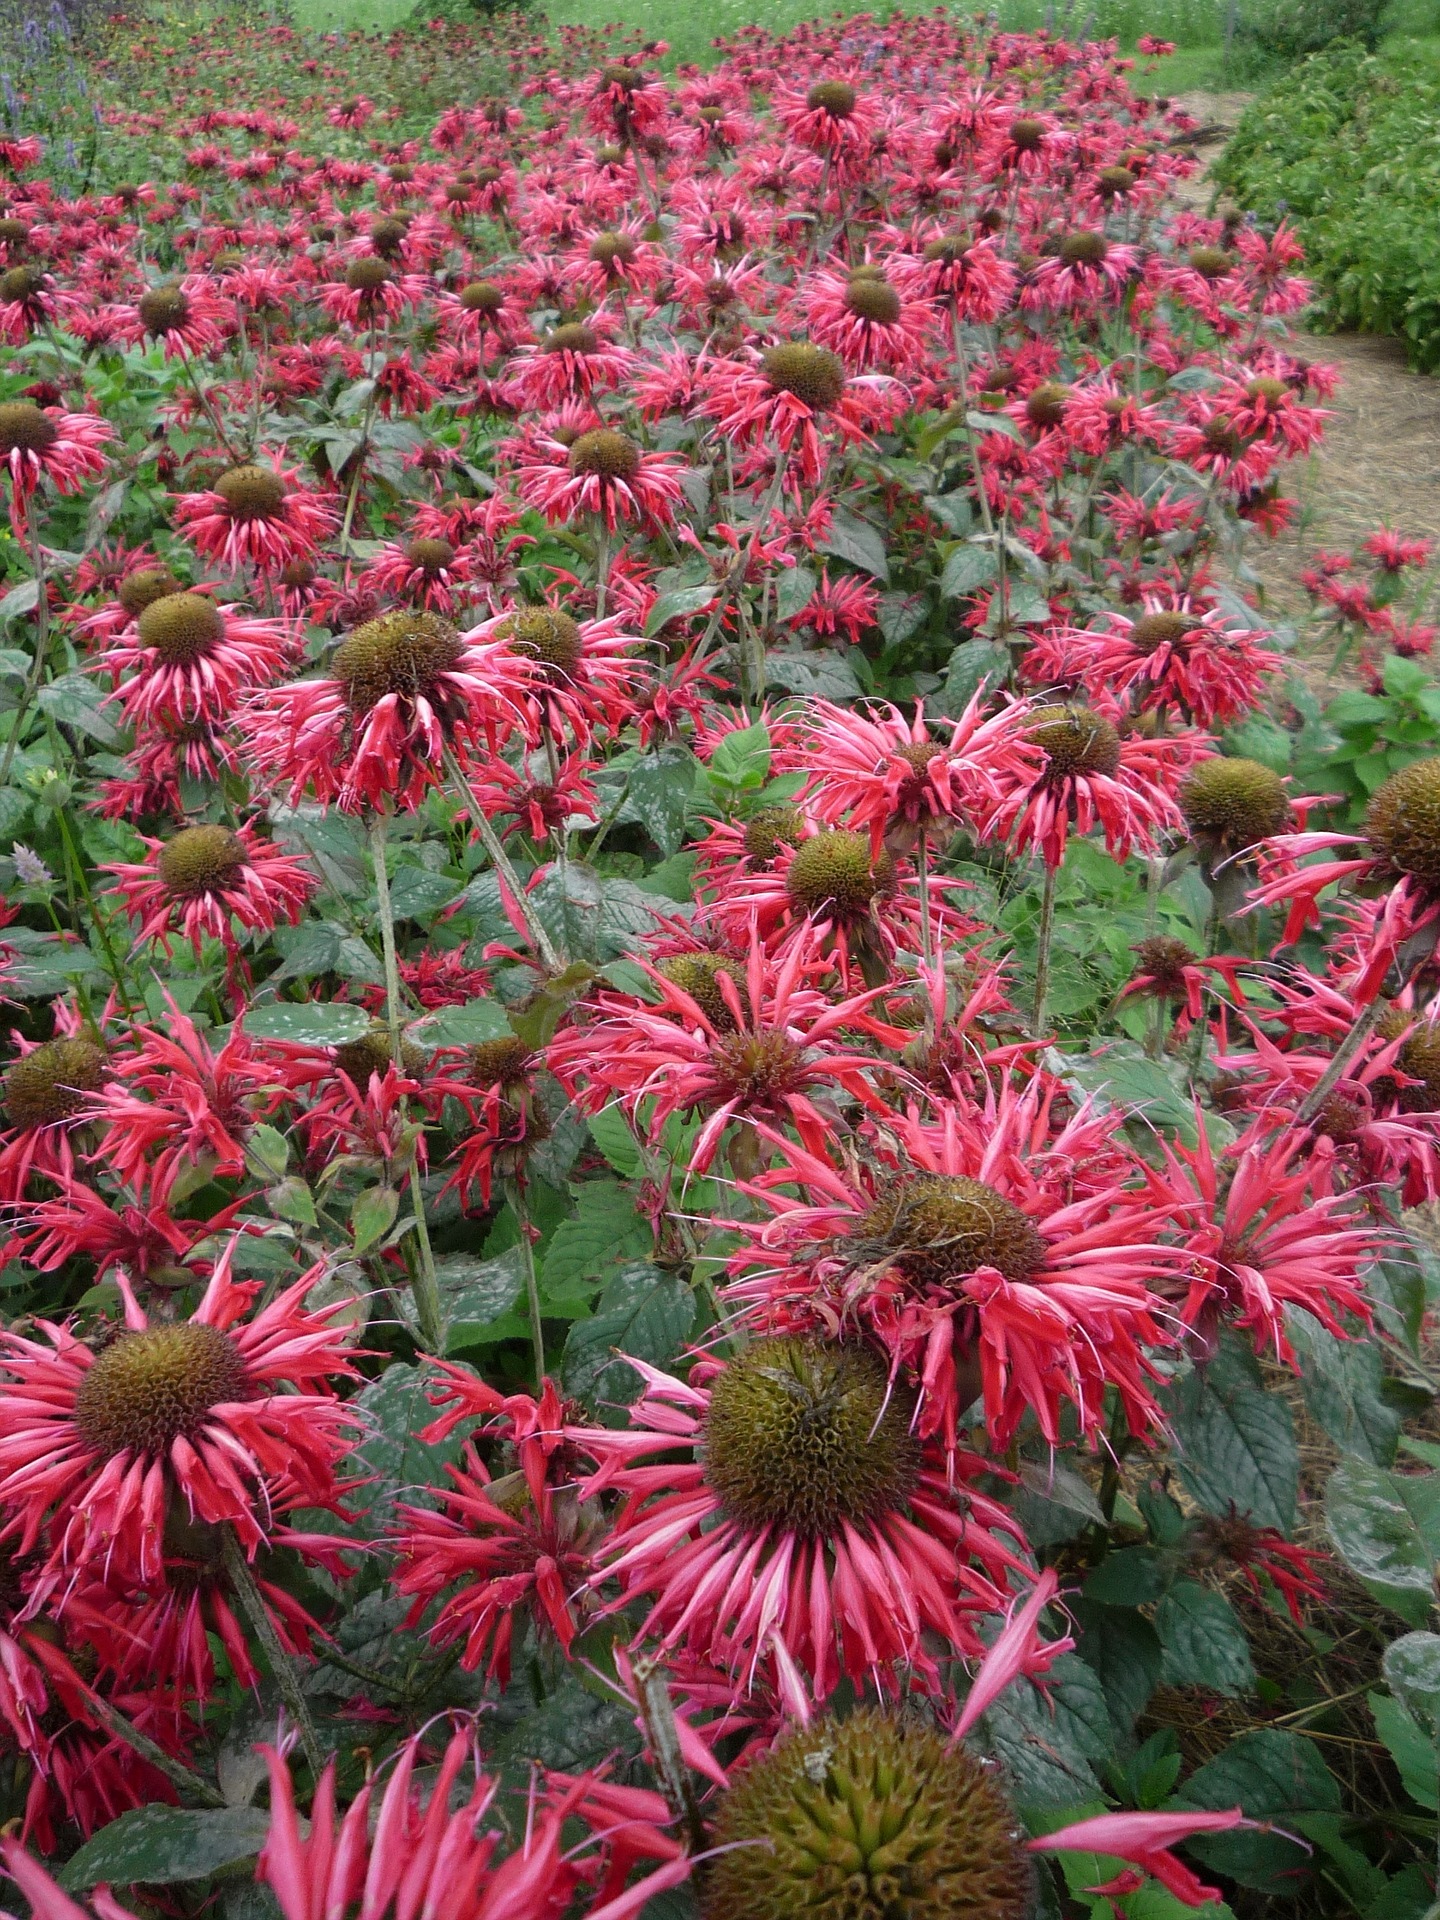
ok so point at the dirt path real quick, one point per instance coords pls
(1379, 464)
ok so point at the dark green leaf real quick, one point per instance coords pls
(1204, 1642)
(607, 1229)
(742, 757)
(474, 1294)
(418, 894)
(974, 664)
(1123, 1649)
(310, 1023)
(164, 1845)
(1411, 1748)
(397, 1406)
(1387, 1528)
(1131, 1577)
(306, 950)
(678, 605)
(1270, 1772)
(74, 700)
(571, 1731)
(1047, 1747)
(823, 673)
(855, 540)
(469, 1025)
(1412, 1669)
(1237, 1442)
(659, 794)
(642, 1312)
(794, 591)
(1341, 1381)
(969, 568)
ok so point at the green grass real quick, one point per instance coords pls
(690, 29)
(1196, 26)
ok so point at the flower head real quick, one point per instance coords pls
(811, 1526)
(840, 1814)
(256, 514)
(98, 1445)
(374, 730)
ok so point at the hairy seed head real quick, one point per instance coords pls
(147, 1390)
(804, 1433)
(875, 1817)
(51, 1083)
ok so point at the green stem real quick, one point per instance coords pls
(962, 365)
(354, 494)
(1352, 1044)
(252, 1605)
(500, 860)
(175, 1771)
(426, 1285)
(1042, 956)
(516, 1196)
(42, 642)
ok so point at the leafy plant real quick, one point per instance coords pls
(1344, 148)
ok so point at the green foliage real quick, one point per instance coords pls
(164, 1845)
(1290, 29)
(1345, 148)
(1366, 737)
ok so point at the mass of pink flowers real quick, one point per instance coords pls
(586, 644)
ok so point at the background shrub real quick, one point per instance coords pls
(1347, 147)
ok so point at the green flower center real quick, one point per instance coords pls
(832, 872)
(699, 975)
(181, 627)
(1402, 822)
(25, 429)
(1084, 249)
(500, 1063)
(835, 97)
(871, 297)
(938, 1227)
(431, 556)
(481, 296)
(1234, 803)
(52, 1083)
(367, 274)
(199, 858)
(251, 493)
(372, 1053)
(163, 309)
(573, 337)
(1076, 742)
(871, 1818)
(143, 588)
(606, 454)
(769, 830)
(400, 653)
(815, 377)
(544, 635)
(1155, 630)
(146, 1390)
(1045, 404)
(802, 1434)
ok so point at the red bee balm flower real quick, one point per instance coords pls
(374, 730)
(213, 1411)
(259, 514)
(44, 443)
(190, 659)
(814, 1529)
(207, 878)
